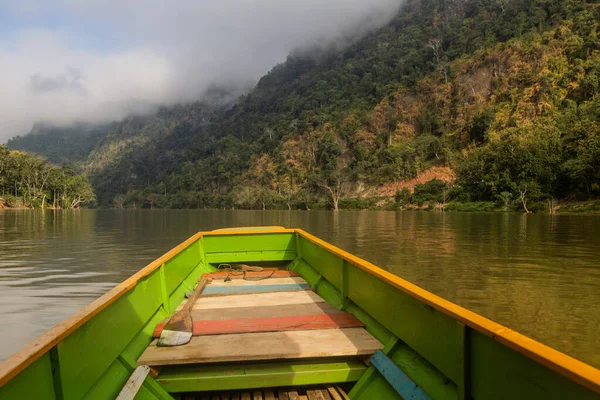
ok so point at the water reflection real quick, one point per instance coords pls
(536, 274)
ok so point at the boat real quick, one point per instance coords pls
(306, 321)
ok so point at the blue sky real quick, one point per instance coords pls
(99, 60)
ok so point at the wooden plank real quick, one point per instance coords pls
(269, 395)
(325, 394)
(256, 300)
(229, 290)
(135, 382)
(342, 393)
(251, 275)
(283, 395)
(262, 282)
(264, 346)
(334, 393)
(257, 395)
(285, 323)
(318, 394)
(264, 312)
(293, 395)
(397, 378)
(237, 376)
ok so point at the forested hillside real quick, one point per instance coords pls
(454, 101)
(29, 181)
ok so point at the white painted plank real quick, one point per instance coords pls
(255, 300)
(135, 382)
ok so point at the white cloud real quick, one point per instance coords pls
(110, 56)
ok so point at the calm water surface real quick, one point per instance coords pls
(537, 274)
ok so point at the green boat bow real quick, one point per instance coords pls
(411, 344)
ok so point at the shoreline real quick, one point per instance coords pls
(571, 208)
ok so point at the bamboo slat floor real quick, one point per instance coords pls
(329, 392)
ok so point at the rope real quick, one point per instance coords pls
(236, 272)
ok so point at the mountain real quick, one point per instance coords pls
(489, 100)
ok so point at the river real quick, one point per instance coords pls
(537, 274)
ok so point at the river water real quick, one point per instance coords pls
(537, 274)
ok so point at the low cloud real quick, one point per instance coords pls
(98, 60)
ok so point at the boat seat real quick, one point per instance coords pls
(241, 321)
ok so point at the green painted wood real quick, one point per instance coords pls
(307, 272)
(202, 251)
(331, 295)
(464, 381)
(371, 324)
(188, 284)
(378, 388)
(298, 246)
(86, 353)
(274, 374)
(432, 381)
(180, 266)
(410, 320)
(326, 263)
(150, 383)
(56, 379)
(366, 379)
(35, 382)
(250, 256)
(249, 243)
(163, 290)
(498, 372)
(344, 286)
(112, 381)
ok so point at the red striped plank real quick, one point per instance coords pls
(251, 275)
(274, 324)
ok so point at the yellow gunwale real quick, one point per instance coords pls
(570, 367)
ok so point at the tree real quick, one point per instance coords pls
(245, 196)
(334, 175)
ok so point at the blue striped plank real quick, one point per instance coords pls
(255, 288)
(397, 378)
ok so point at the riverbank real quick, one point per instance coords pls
(378, 204)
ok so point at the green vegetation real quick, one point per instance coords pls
(29, 181)
(502, 92)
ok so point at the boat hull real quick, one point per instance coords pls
(441, 349)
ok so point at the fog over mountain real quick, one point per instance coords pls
(97, 60)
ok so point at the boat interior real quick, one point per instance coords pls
(249, 326)
(311, 322)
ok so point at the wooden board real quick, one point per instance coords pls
(255, 300)
(264, 346)
(249, 288)
(397, 378)
(262, 282)
(286, 310)
(284, 323)
(135, 382)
